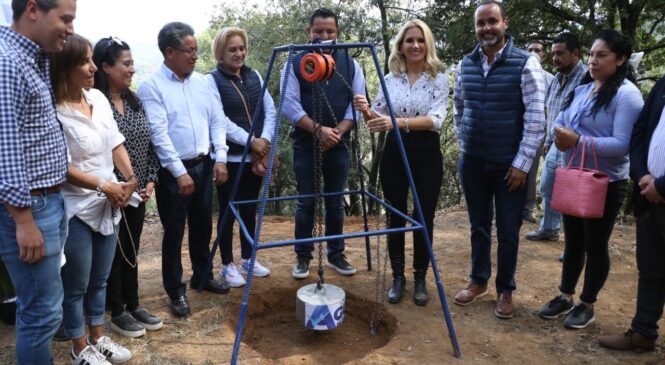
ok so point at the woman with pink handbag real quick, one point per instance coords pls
(598, 120)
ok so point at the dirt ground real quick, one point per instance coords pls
(408, 335)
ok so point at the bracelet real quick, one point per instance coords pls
(131, 177)
(100, 187)
(406, 125)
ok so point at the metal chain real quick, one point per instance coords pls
(317, 152)
(378, 309)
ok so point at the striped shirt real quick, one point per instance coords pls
(656, 159)
(33, 153)
(533, 97)
(558, 92)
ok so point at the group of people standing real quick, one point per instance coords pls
(82, 153)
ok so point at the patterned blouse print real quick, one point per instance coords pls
(427, 96)
(134, 126)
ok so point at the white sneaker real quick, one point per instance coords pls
(232, 276)
(114, 353)
(259, 270)
(89, 356)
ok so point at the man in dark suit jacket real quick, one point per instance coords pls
(647, 168)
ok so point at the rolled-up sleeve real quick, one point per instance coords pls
(358, 86)
(292, 108)
(13, 179)
(533, 98)
(458, 102)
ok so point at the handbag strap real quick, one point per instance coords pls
(249, 116)
(592, 142)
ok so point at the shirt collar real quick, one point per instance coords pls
(579, 67)
(166, 71)
(497, 55)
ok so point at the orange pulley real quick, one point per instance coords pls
(316, 67)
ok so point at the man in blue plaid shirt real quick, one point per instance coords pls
(33, 167)
(566, 58)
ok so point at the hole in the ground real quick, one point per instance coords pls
(272, 330)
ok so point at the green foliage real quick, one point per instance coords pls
(281, 22)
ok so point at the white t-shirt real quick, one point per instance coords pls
(90, 142)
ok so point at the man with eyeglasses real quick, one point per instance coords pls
(33, 168)
(186, 119)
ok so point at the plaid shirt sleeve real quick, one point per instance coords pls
(533, 97)
(14, 188)
(458, 101)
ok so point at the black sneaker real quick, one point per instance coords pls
(127, 326)
(301, 268)
(580, 317)
(149, 321)
(340, 264)
(556, 307)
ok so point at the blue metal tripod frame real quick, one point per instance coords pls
(255, 238)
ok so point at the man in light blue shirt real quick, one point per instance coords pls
(302, 101)
(187, 123)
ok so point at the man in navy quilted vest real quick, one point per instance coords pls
(499, 115)
(325, 107)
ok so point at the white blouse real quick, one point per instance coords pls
(428, 96)
(90, 142)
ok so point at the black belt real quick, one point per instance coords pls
(194, 161)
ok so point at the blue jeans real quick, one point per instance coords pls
(551, 220)
(335, 174)
(483, 185)
(89, 257)
(38, 286)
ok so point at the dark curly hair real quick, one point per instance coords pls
(620, 45)
(107, 51)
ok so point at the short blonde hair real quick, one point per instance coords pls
(222, 37)
(396, 61)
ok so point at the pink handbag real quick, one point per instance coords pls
(578, 191)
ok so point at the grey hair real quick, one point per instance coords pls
(172, 35)
(18, 6)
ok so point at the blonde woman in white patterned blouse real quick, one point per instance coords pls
(418, 88)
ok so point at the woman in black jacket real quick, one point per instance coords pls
(239, 88)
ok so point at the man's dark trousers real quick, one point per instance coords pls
(651, 265)
(484, 184)
(174, 209)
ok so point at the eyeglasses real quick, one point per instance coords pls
(191, 51)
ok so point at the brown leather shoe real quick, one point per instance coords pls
(504, 305)
(469, 294)
(629, 341)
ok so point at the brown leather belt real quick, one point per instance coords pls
(43, 191)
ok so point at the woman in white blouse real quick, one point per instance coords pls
(418, 88)
(92, 196)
